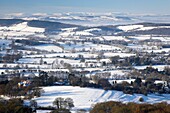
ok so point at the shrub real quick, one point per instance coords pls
(141, 99)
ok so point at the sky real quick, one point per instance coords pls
(99, 6)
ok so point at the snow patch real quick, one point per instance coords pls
(130, 27)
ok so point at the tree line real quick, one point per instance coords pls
(118, 107)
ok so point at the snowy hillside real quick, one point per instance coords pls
(23, 27)
(107, 52)
(96, 19)
(41, 28)
(85, 98)
(140, 27)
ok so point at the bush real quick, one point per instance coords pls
(61, 111)
(141, 99)
(14, 106)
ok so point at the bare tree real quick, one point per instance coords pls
(58, 102)
(62, 103)
(69, 103)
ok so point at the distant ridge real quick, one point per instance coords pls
(146, 29)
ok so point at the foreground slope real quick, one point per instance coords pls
(84, 98)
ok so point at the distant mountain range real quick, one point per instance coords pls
(124, 29)
(92, 19)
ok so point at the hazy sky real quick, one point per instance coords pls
(58, 6)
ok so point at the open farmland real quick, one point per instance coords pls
(87, 64)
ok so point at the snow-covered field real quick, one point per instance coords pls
(48, 60)
(21, 29)
(159, 67)
(146, 37)
(118, 54)
(78, 33)
(48, 47)
(89, 46)
(159, 50)
(4, 42)
(130, 27)
(85, 98)
(115, 38)
(139, 27)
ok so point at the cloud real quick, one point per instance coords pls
(39, 14)
(15, 14)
